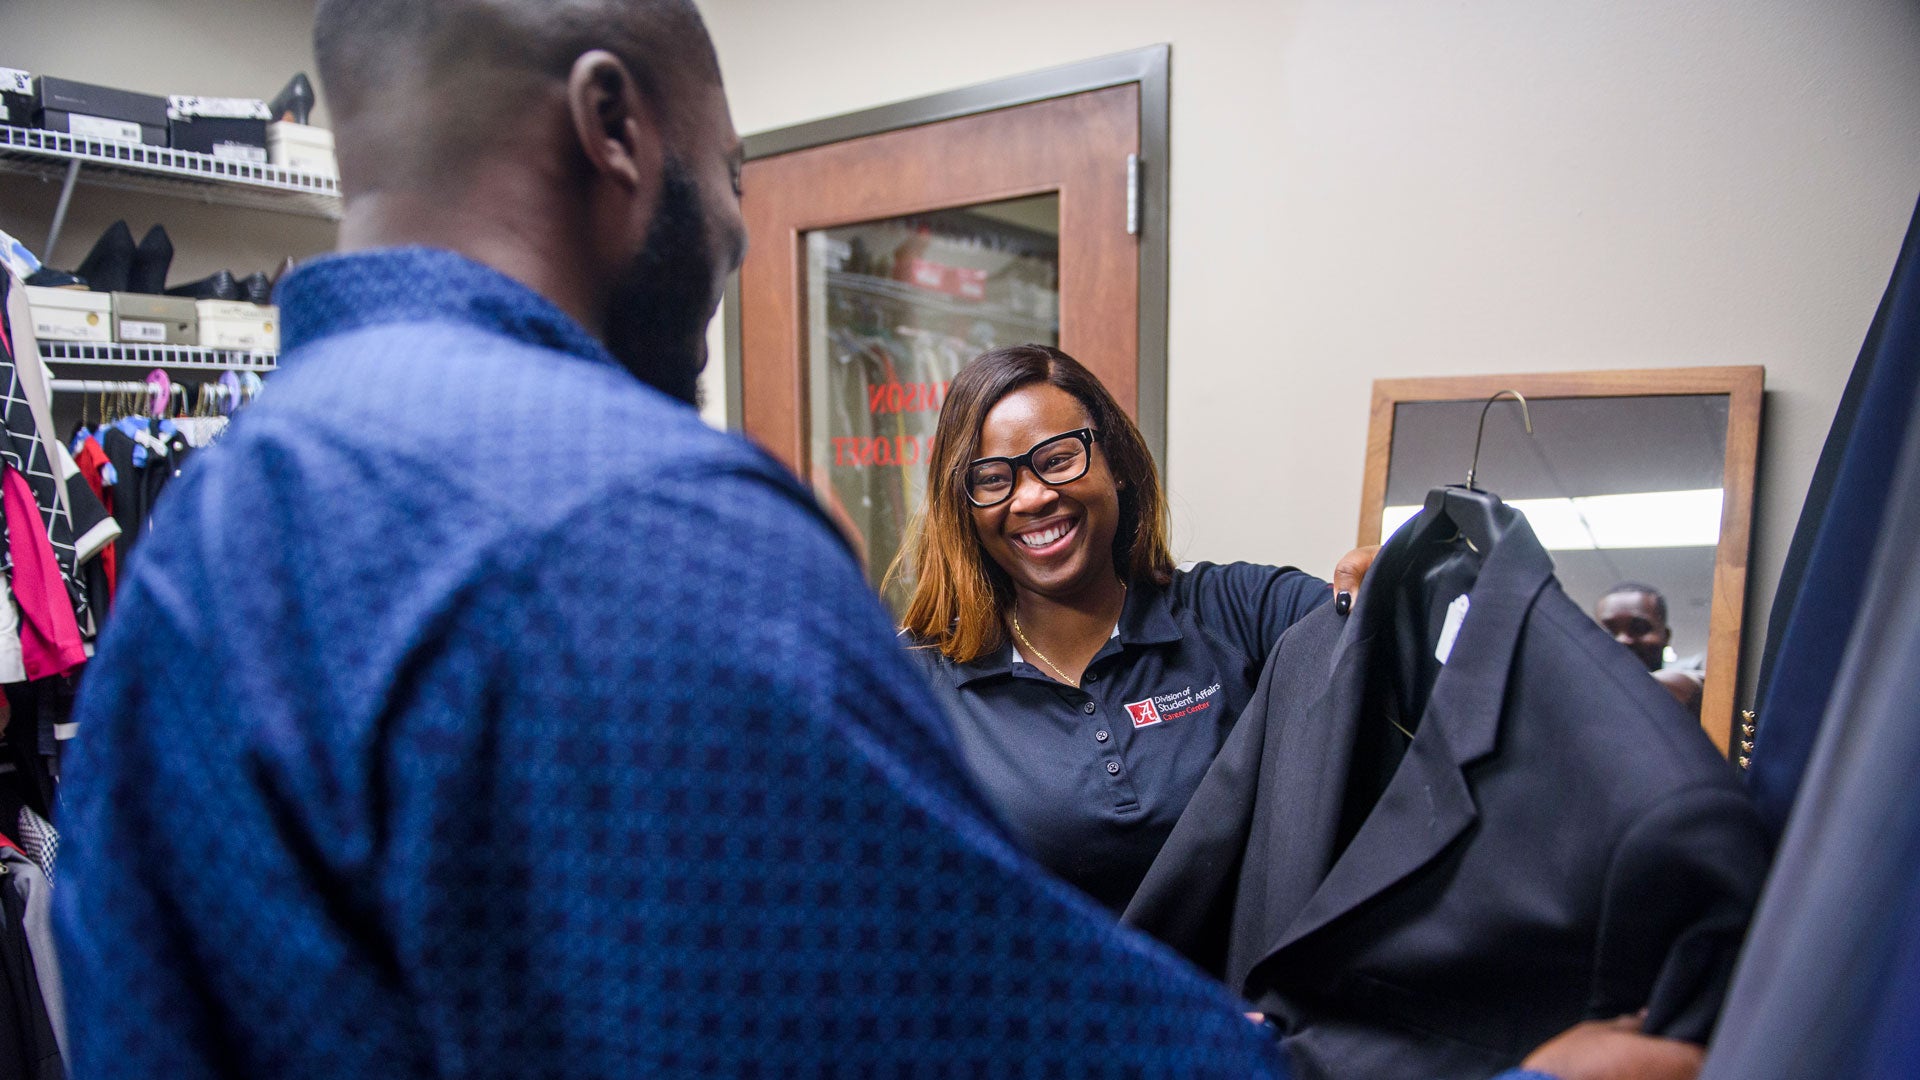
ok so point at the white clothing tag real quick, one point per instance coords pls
(1456, 614)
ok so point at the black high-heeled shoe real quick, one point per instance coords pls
(107, 267)
(294, 101)
(150, 263)
(219, 285)
(256, 289)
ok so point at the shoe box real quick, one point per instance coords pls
(99, 112)
(71, 314)
(236, 324)
(142, 319)
(231, 128)
(96, 318)
(302, 148)
(16, 97)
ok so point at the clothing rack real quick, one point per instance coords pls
(177, 393)
(109, 386)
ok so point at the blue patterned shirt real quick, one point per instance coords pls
(473, 710)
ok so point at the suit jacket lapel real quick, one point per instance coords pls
(1428, 803)
(1299, 816)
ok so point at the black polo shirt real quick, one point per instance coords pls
(1092, 778)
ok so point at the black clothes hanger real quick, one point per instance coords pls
(1478, 516)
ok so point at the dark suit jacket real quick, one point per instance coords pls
(1560, 841)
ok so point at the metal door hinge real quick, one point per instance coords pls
(1135, 181)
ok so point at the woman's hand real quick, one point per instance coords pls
(1615, 1050)
(1347, 574)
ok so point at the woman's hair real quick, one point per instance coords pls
(959, 592)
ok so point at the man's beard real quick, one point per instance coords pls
(657, 322)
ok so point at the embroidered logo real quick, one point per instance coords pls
(1182, 702)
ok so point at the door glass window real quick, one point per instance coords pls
(894, 309)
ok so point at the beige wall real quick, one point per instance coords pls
(1361, 189)
(1365, 189)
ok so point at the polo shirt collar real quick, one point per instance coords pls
(1146, 618)
(338, 294)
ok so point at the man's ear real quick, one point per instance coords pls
(618, 131)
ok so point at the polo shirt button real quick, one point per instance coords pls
(1089, 708)
(1091, 678)
(1113, 768)
(1100, 736)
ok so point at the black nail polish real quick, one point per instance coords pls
(1342, 602)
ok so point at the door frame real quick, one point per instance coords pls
(1147, 66)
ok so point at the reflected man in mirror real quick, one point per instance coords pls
(1636, 616)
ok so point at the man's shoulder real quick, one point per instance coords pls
(492, 416)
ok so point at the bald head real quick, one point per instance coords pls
(364, 46)
(441, 75)
(583, 147)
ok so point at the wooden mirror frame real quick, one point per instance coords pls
(1743, 386)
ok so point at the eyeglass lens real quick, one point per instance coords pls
(1060, 460)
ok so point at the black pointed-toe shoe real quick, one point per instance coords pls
(219, 285)
(150, 262)
(108, 266)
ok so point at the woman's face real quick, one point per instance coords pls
(1053, 541)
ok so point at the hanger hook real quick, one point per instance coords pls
(1481, 431)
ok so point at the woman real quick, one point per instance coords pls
(1091, 683)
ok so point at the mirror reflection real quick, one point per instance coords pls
(1625, 492)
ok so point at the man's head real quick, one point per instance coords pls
(581, 146)
(1636, 616)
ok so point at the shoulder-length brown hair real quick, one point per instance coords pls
(959, 593)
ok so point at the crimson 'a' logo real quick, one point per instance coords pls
(1143, 713)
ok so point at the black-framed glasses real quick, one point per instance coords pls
(1061, 459)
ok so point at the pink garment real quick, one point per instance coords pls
(49, 635)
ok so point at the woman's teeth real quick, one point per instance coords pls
(1043, 537)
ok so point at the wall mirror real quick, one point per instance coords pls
(1629, 476)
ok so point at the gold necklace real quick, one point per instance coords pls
(1042, 657)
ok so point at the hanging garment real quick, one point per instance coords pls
(38, 839)
(94, 529)
(13, 661)
(146, 454)
(24, 876)
(1821, 588)
(28, 1046)
(1829, 985)
(1554, 843)
(50, 639)
(28, 445)
(27, 746)
(128, 498)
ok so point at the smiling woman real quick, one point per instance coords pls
(1090, 682)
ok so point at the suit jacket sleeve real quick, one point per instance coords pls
(1679, 893)
(1187, 897)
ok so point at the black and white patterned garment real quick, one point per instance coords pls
(39, 840)
(22, 447)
